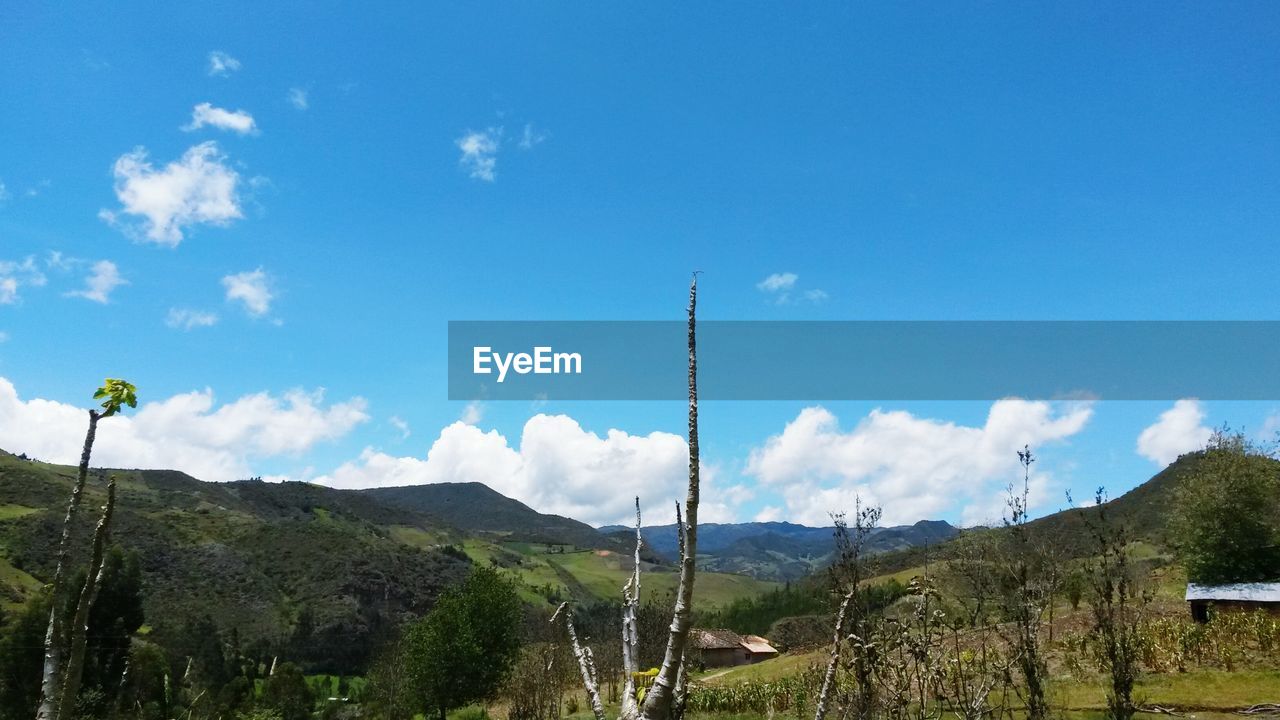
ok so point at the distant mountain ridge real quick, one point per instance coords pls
(779, 550)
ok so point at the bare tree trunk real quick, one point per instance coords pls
(828, 678)
(682, 688)
(586, 665)
(659, 701)
(630, 631)
(80, 625)
(51, 675)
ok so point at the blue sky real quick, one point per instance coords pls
(408, 165)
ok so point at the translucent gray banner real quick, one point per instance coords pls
(866, 360)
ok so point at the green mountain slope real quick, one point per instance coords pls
(1146, 510)
(345, 566)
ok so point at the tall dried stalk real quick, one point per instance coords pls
(52, 673)
(659, 701)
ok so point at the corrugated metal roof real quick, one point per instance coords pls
(1236, 592)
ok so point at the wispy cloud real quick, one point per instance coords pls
(16, 274)
(187, 319)
(298, 98)
(778, 282)
(399, 424)
(200, 187)
(531, 137)
(237, 121)
(222, 64)
(480, 153)
(473, 413)
(782, 289)
(252, 289)
(103, 278)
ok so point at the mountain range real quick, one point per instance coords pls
(778, 550)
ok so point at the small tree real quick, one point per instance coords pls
(462, 651)
(287, 692)
(1226, 520)
(852, 628)
(1028, 577)
(1115, 617)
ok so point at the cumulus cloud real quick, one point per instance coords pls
(297, 97)
(187, 319)
(197, 188)
(559, 467)
(914, 467)
(205, 114)
(1180, 429)
(16, 274)
(222, 64)
(188, 432)
(480, 153)
(250, 288)
(103, 278)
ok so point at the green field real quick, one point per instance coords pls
(570, 572)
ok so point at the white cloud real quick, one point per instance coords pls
(251, 288)
(914, 467)
(237, 121)
(16, 274)
(480, 153)
(4, 336)
(297, 97)
(559, 468)
(769, 513)
(197, 188)
(1179, 429)
(778, 282)
(222, 64)
(399, 424)
(472, 413)
(187, 432)
(187, 319)
(531, 137)
(4, 192)
(779, 287)
(103, 277)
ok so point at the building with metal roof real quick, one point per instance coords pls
(1232, 597)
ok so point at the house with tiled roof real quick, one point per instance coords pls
(725, 648)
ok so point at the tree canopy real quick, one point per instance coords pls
(462, 651)
(1227, 519)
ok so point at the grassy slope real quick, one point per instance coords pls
(249, 554)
